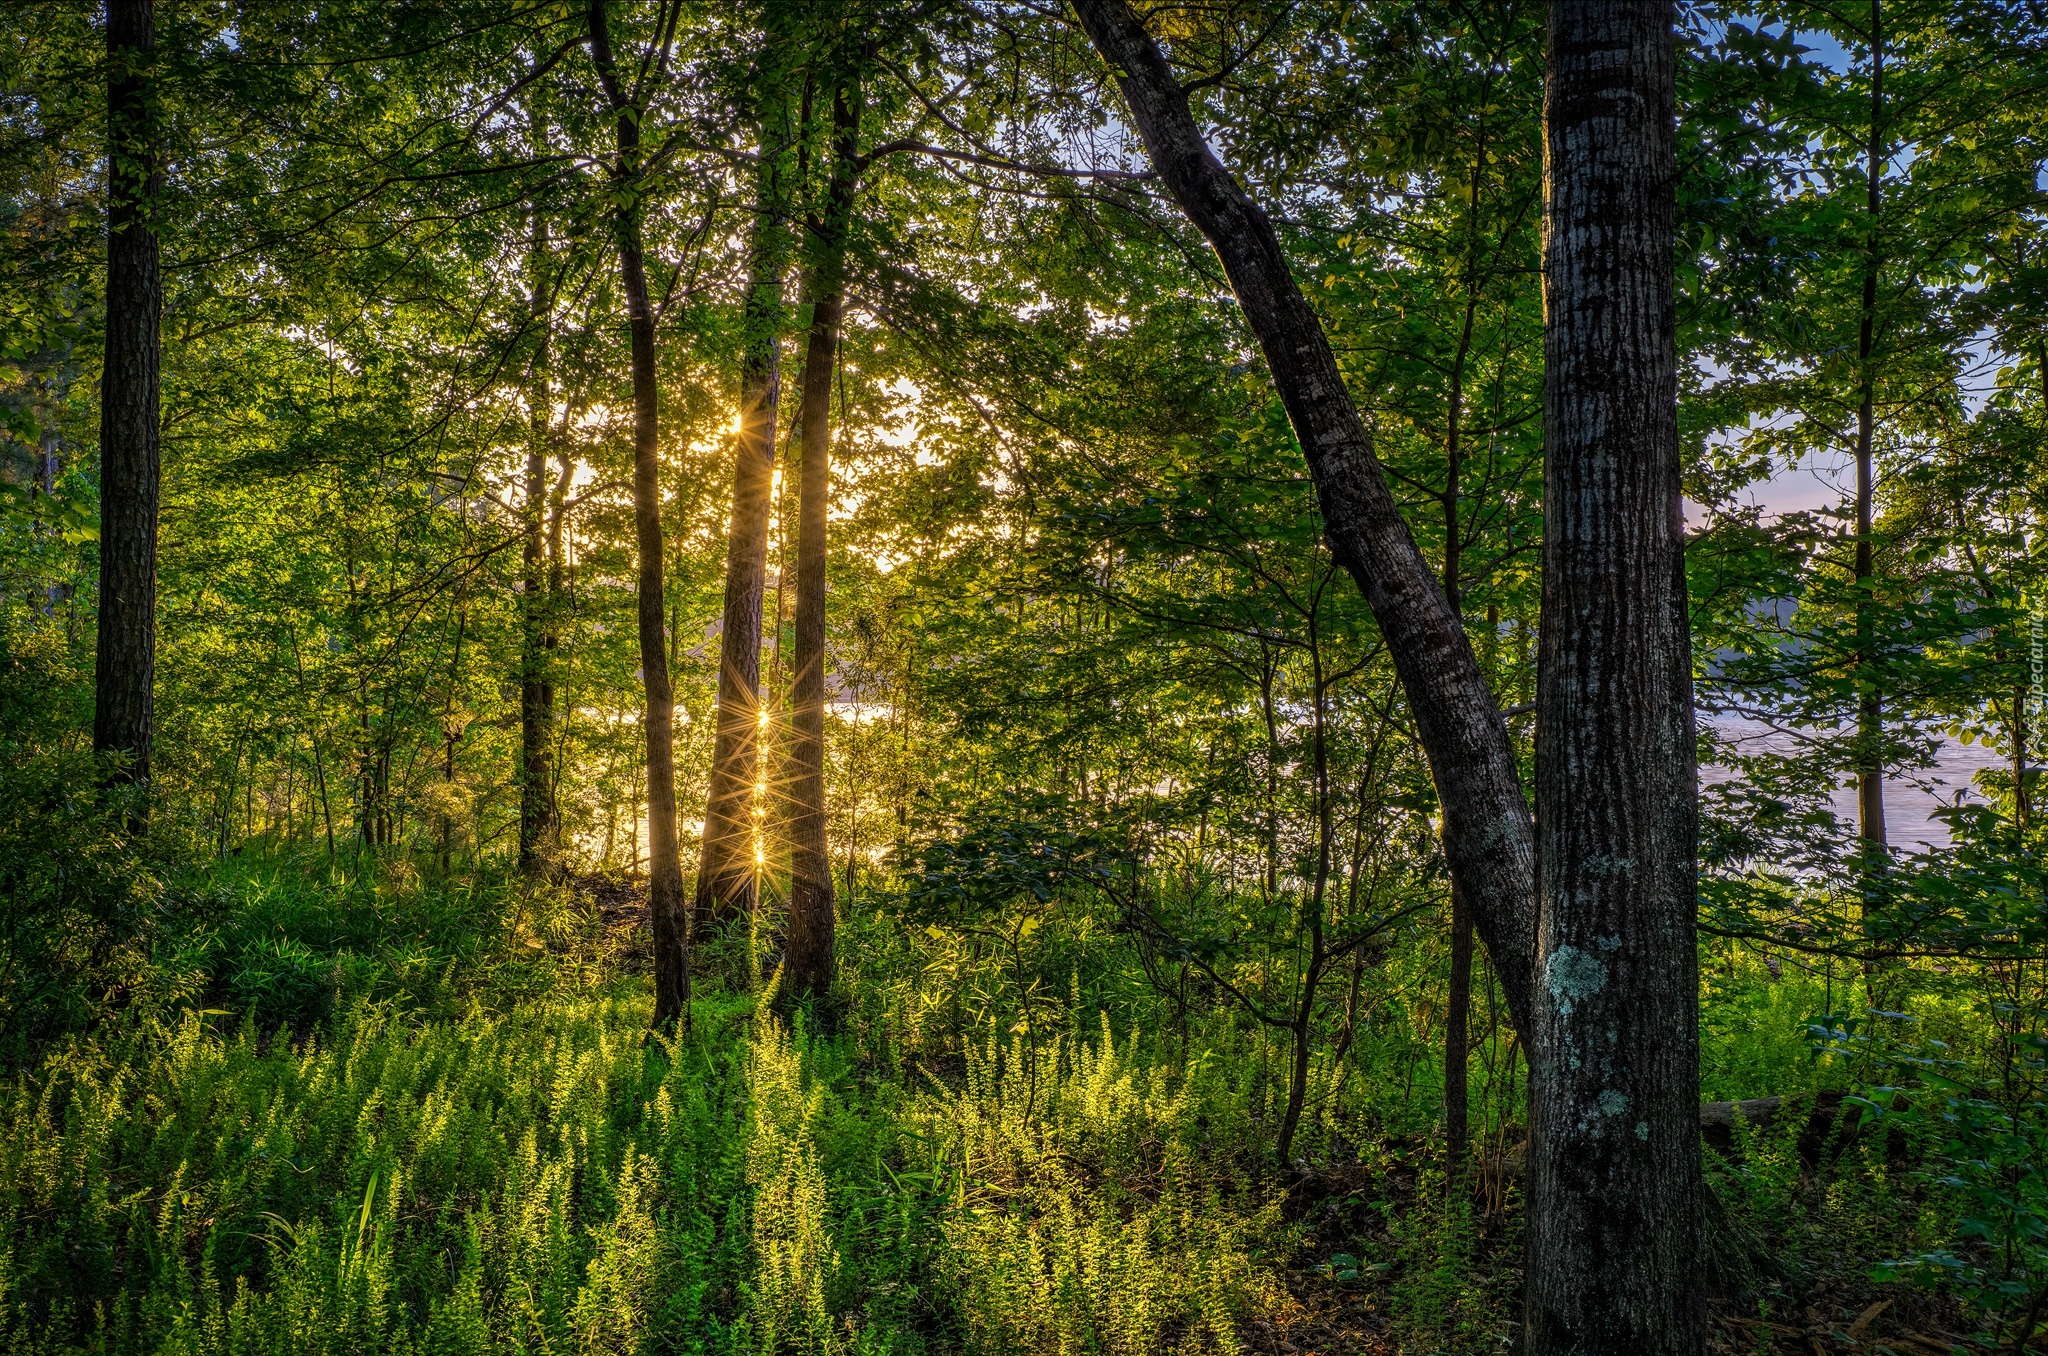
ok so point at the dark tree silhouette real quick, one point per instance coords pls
(125, 672)
(664, 864)
(807, 964)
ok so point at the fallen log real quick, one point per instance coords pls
(1826, 1133)
(1756, 1112)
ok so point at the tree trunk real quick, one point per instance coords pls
(807, 963)
(1301, 1031)
(125, 671)
(1615, 1231)
(2021, 808)
(727, 874)
(664, 866)
(1870, 829)
(451, 728)
(1458, 1014)
(1269, 827)
(1487, 833)
(551, 638)
(1458, 1037)
(536, 692)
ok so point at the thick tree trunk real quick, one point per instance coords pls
(727, 875)
(125, 672)
(536, 691)
(807, 962)
(1615, 1229)
(1487, 833)
(664, 865)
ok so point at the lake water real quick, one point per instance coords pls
(1909, 800)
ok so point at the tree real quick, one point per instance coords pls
(124, 676)
(1442, 314)
(664, 864)
(1869, 698)
(728, 870)
(1614, 1169)
(1487, 832)
(807, 965)
(537, 817)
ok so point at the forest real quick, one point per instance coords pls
(1111, 677)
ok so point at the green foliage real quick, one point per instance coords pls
(1445, 1293)
(484, 1179)
(80, 897)
(1985, 1140)
(286, 942)
(540, 1175)
(797, 1260)
(1124, 796)
(1099, 1215)
(968, 869)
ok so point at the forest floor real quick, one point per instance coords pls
(436, 1124)
(1805, 1317)
(1323, 1316)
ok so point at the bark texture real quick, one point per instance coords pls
(1487, 833)
(807, 960)
(664, 864)
(1615, 1191)
(727, 874)
(537, 848)
(124, 674)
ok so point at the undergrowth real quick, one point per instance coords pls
(543, 1176)
(394, 1115)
